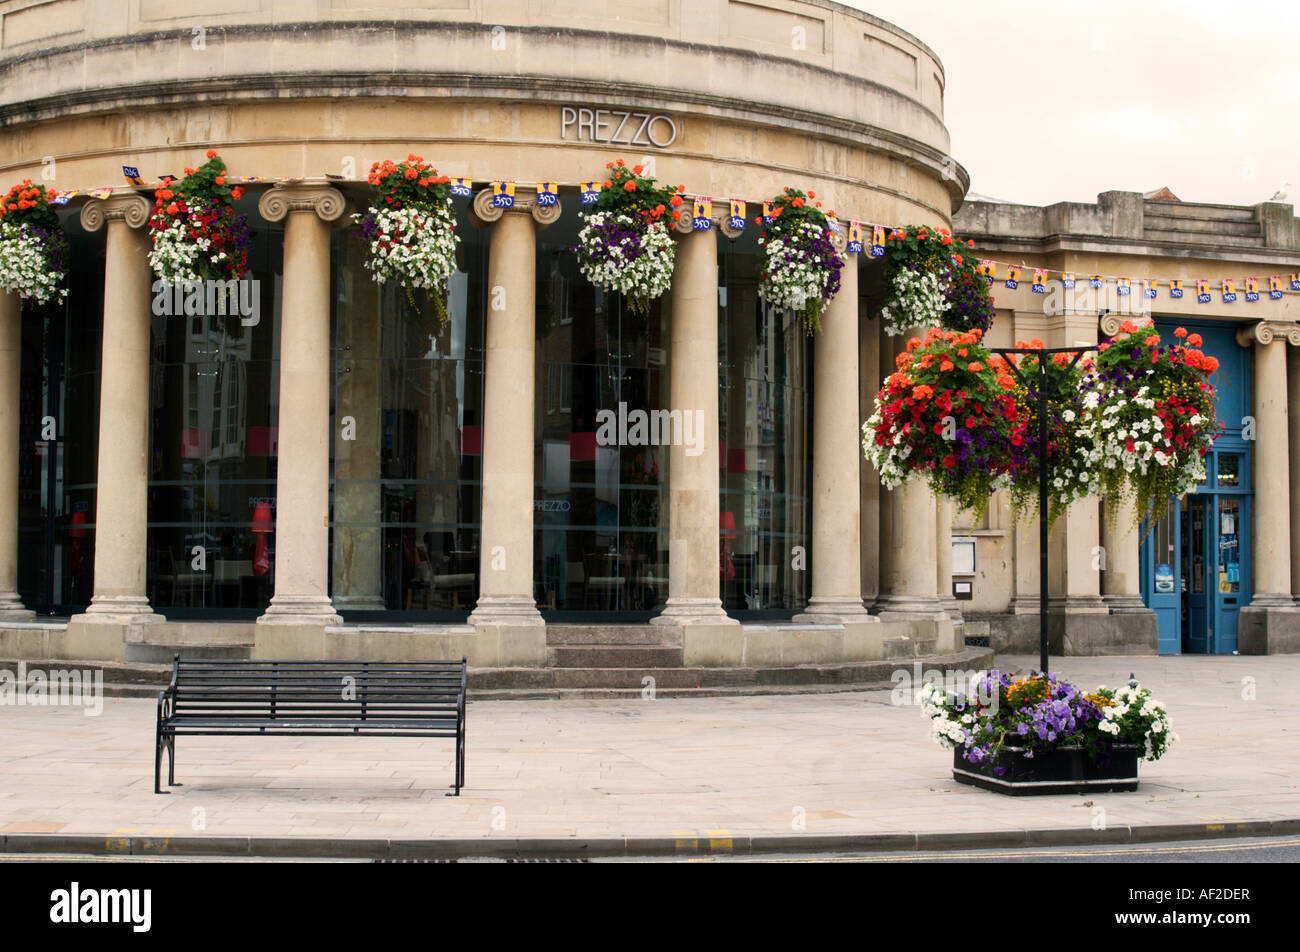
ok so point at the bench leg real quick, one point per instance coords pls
(171, 762)
(157, 762)
(460, 762)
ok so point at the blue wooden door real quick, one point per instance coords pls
(1162, 580)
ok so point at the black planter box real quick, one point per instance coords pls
(1064, 770)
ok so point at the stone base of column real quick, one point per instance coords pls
(1125, 604)
(1023, 606)
(359, 603)
(505, 610)
(833, 610)
(910, 608)
(300, 610)
(953, 608)
(1270, 624)
(120, 610)
(12, 609)
(693, 611)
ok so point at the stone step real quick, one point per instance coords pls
(163, 653)
(614, 656)
(148, 676)
(906, 647)
(207, 633)
(654, 635)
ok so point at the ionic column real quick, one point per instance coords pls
(509, 396)
(694, 549)
(908, 535)
(837, 455)
(11, 332)
(1293, 437)
(1271, 571)
(122, 479)
(869, 532)
(302, 509)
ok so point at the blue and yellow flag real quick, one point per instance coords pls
(246, 178)
(1252, 289)
(854, 246)
(462, 187)
(503, 194)
(132, 174)
(1123, 287)
(877, 241)
(833, 221)
(1149, 288)
(102, 192)
(736, 214)
(1094, 280)
(1013, 278)
(548, 193)
(702, 213)
(1067, 279)
(1040, 282)
(988, 268)
(767, 212)
(1229, 290)
(1202, 290)
(1295, 281)
(330, 177)
(1175, 287)
(1275, 287)
(62, 198)
(590, 192)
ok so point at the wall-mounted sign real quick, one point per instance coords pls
(617, 127)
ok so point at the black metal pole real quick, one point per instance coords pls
(1042, 514)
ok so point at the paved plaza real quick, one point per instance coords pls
(816, 765)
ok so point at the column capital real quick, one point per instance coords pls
(483, 212)
(277, 202)
(1265, 332)
(130, 207)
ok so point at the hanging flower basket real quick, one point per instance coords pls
(409, 230)
(624, 245)
(931, 285)
(1043, 735)
(948, 415)
(801, 269)
(33, 251)
(1071, 469)
(196, 233)
(1149, 417)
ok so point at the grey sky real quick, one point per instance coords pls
(1201, 96)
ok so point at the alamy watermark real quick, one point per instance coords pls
(972, 685)
(651, 428)
(59, 687)
(211, 298)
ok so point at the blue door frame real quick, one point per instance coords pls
(1195, 563)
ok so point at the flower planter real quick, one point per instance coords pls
(1064, 770)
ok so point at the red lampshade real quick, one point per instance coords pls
(78, 519)
(262, 518)
(729, 525)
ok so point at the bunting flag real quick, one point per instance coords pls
(168, 179)
(768, 207)
(1094, 281)
(1252, 289)
(1202, 290)
(1295, 281)
(1175, 287)
(1123, 287)
(1275, 288)
(1229, 291)
(1149, 288)
(245, 179)
(101, 193)
(1013, 278)
(1040, 282)
(702, 213)
(132, 174)
(987, 268)
(503, 194)
(62, 198)
(877, 241)
(736, 214)
(334, 178)
(854, 246)
(548, 194)
(462, 187)
(1067, 279)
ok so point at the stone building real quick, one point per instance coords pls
(345, 476)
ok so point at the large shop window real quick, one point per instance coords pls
(601, 496)
(407, 438)
(59, 435)
(765, 451)
(214, 382)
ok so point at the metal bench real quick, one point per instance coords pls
(311, 699)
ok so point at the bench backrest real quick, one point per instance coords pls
(317, 689)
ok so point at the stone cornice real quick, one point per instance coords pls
(325, 201)
(1265, 332)
(483, 212)
(128, 207)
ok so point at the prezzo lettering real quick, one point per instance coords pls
(617, 127)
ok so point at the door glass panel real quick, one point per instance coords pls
(1229, 469)
(1229, 529)
(1196, 546)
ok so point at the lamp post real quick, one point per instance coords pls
(1040, 389)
